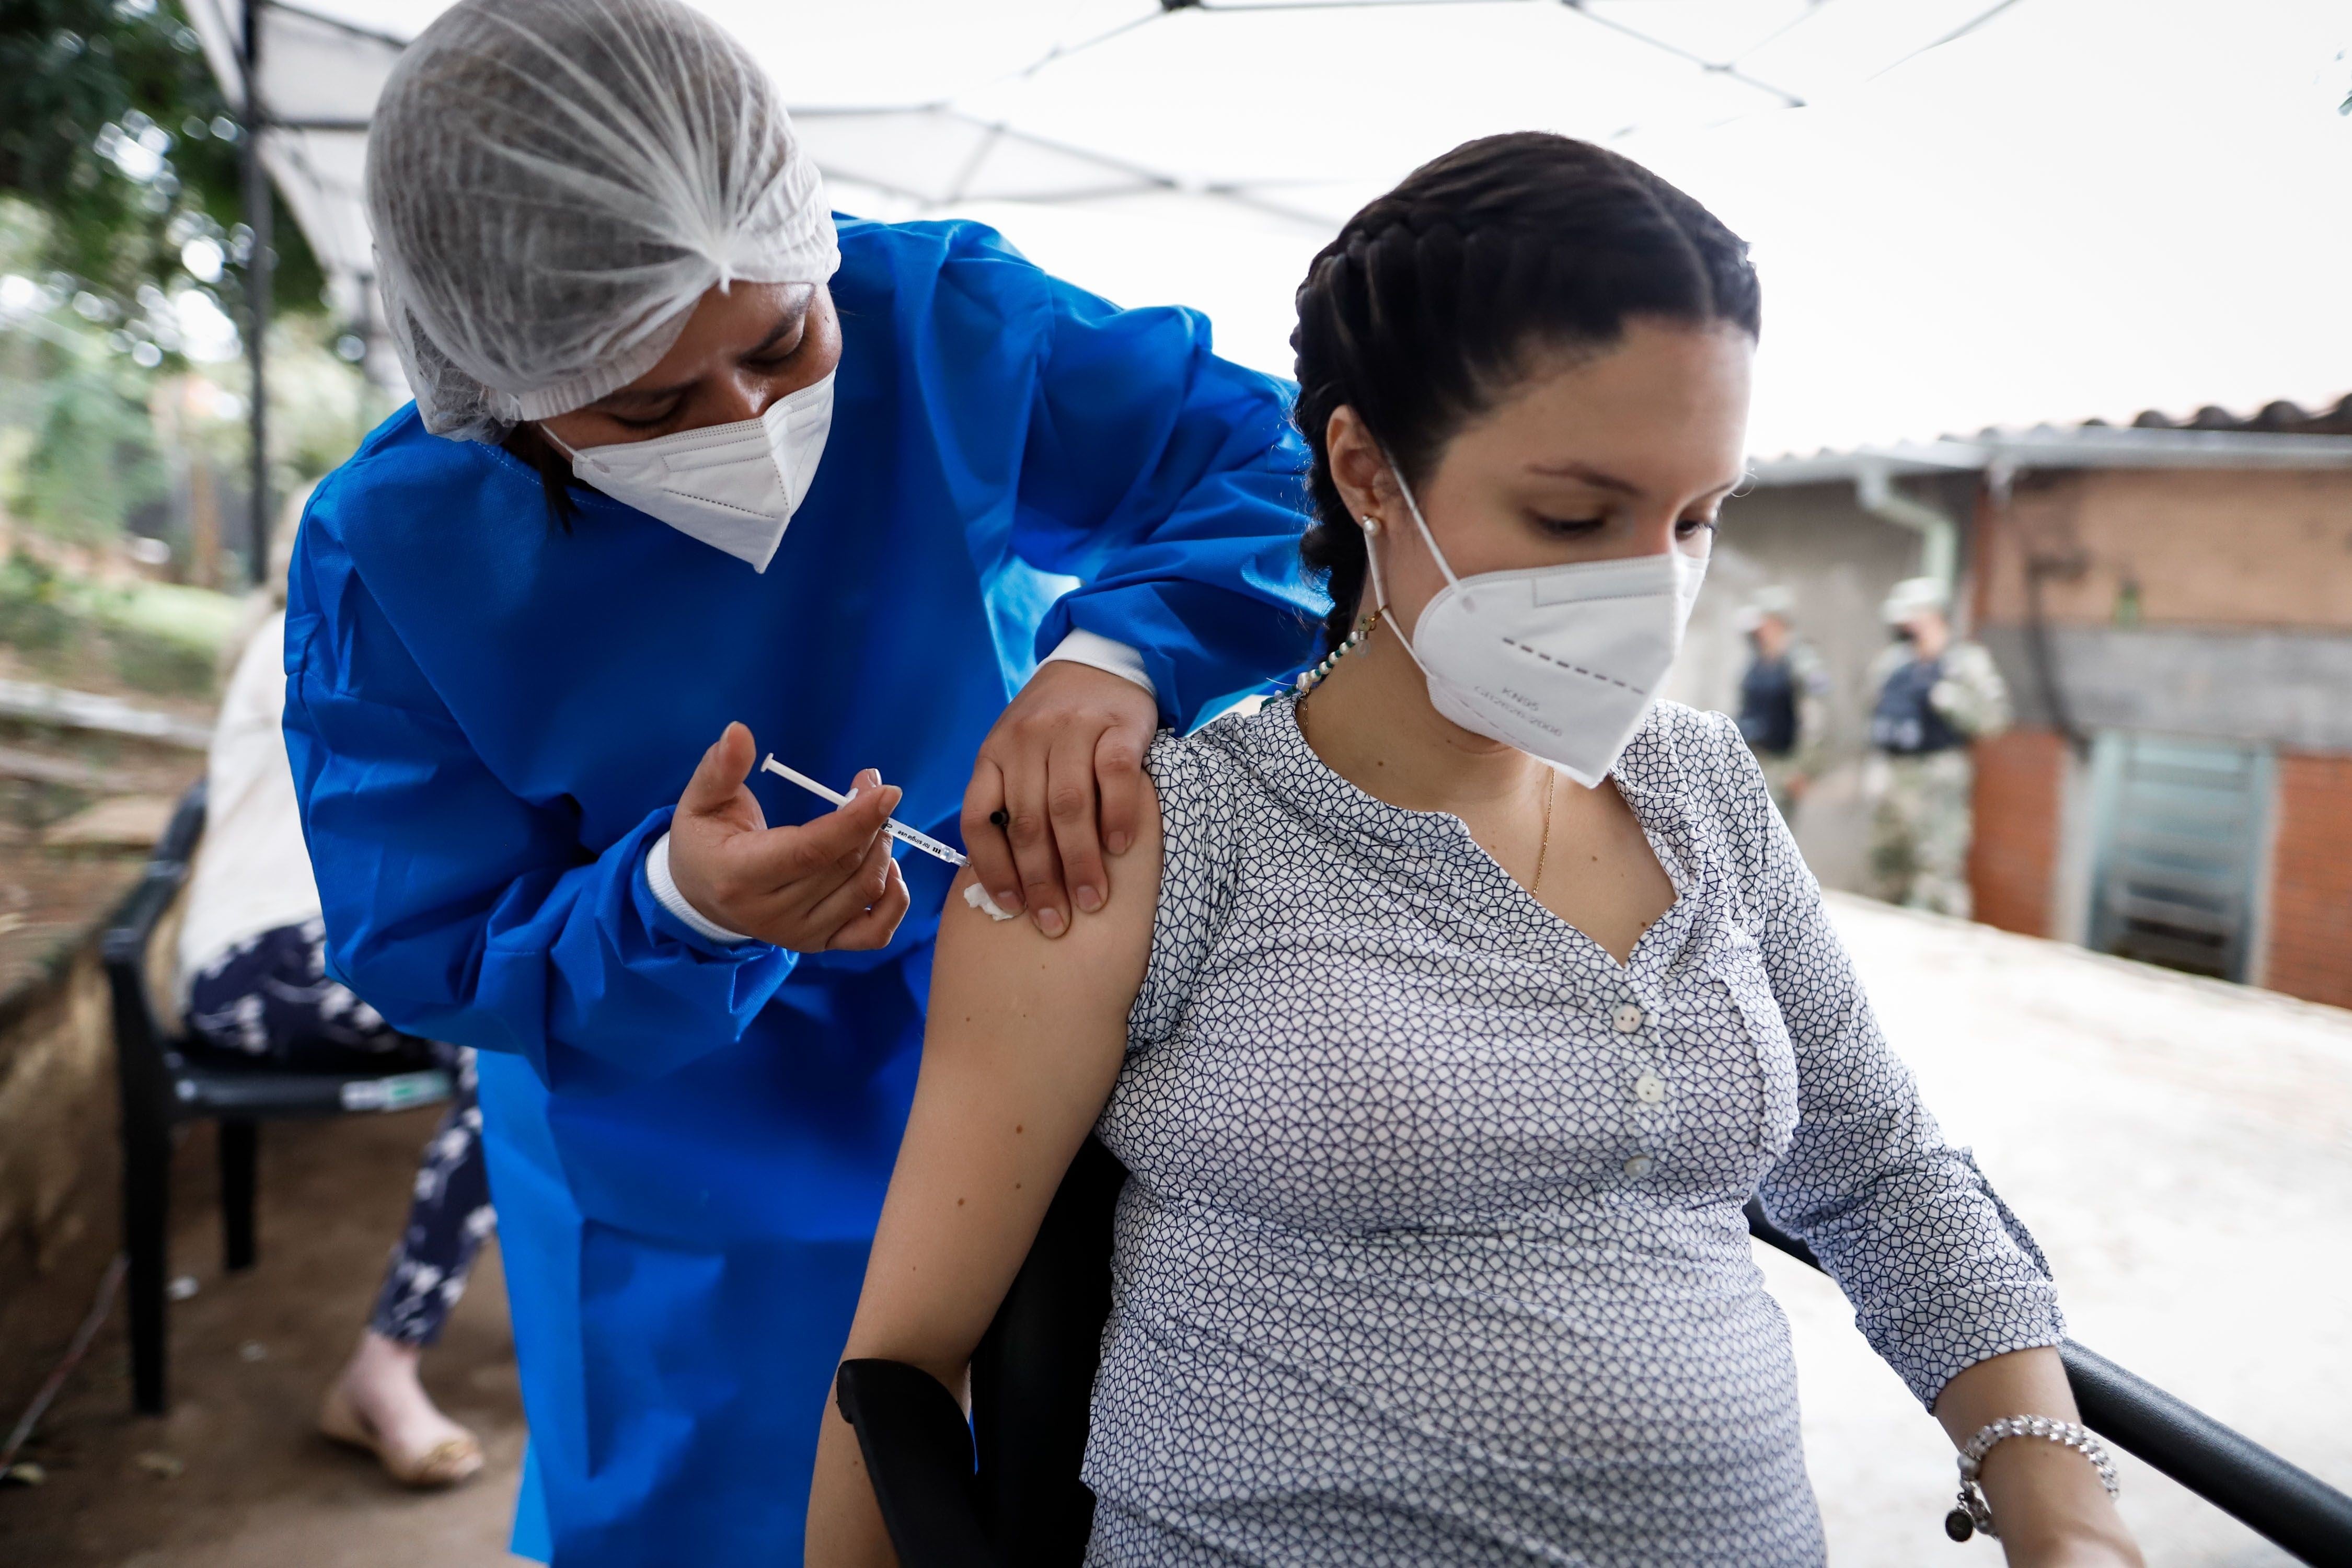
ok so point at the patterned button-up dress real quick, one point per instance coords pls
(1433, 1251)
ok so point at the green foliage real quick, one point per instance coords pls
(194, 619)
(320, 405)
(121, 193)
(112, 125)
(93, 459)
(35, 617)
(152, 637)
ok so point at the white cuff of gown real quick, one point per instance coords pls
(1098, 652)
(665, 894)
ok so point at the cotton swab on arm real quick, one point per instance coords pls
(977, 897)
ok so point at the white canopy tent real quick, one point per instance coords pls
(1968, 212)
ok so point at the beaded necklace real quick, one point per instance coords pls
(1309, 679)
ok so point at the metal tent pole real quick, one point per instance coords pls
(256, 289)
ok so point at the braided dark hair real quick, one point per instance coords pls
(1426, 309)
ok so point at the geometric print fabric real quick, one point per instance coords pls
(1432, 1249)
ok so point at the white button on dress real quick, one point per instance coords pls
(1626, 1019)
(1650, 1089)
(1640, 1166)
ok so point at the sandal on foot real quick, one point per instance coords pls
(443, 1464)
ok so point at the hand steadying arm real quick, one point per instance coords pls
(1024, 1039)
(1168, 482)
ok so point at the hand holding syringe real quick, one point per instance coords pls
(827, 885)
(976, 896)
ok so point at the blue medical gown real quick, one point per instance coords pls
(491, 718)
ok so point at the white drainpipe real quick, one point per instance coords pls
(1940, 549)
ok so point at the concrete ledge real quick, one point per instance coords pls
(58, 1117)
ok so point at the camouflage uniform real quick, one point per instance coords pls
(1802, 760)
(1920, 793)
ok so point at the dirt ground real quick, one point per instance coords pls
(235, 1476)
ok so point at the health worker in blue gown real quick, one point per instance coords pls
(697, 473)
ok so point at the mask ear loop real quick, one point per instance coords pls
(1422, 523)
(570, 451)
(1372, 559)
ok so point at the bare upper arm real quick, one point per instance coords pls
(1025, 1040)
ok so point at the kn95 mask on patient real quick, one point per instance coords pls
(1562, 662)
(733, 486)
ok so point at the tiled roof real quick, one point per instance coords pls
(2282, 417)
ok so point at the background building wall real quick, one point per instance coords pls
(2277, 687)
(2310, 946)
(2180, 547)
(2013, 860)
(2214, 604)
(2211, 604)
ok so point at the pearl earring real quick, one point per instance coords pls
(1372, 525)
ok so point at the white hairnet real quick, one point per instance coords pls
(553, 183)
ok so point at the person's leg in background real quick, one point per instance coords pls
(1781, 777)
(1894, 828)
(1946, 825)
(379, 1402)
(270, 996)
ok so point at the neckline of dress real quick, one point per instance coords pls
(1387, 822)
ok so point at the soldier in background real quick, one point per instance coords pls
(1783, 706)
(1935, 697)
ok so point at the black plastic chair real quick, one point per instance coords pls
(1032, 1377)
(166, 1081)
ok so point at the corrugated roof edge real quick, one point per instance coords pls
(2281, 435)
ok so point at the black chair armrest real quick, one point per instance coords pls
(255, 1091)
(140, 1037)
(124, 945)
(918, 1451)
(1033, 1375)
(2245, 1480)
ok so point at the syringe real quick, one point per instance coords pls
(893, 827)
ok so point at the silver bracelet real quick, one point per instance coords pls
(1972, 1515)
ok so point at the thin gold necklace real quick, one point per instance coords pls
(1551, 788)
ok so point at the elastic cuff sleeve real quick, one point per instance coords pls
(666, 893)
(1099, 652)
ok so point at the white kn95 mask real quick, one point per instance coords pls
(1561, 662)
(733, 486)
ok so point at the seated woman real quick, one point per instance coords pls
(253, 985)
(1480, 994)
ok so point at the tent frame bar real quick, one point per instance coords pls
(259, 271)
